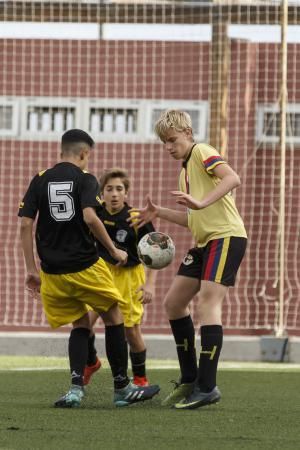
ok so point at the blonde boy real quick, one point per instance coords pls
(206, 181)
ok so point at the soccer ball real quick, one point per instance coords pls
(156, 250)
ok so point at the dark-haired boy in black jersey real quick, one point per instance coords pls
(65, 198)
(135, 288)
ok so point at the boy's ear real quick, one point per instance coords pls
(188, 132)
(82, 154)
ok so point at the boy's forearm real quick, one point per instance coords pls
(226, 185)
(98, 229)
(27, 245)
(150, 276)
(171, 215)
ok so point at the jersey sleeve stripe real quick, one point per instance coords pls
(212, 162)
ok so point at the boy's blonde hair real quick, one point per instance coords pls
(115, 172)
(172, 118)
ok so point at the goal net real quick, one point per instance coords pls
(110, 68)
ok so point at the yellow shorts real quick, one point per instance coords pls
(65, 297)
(128, 279)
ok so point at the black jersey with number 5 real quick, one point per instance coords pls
(58, 195)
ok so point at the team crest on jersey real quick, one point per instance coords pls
(188, 259)
(121, 235)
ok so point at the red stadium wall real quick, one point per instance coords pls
(96, 69)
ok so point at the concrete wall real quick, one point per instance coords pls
(235, 348)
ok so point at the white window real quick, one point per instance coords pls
(197, 110)
(268, 123)
(48, 118)
(8, 117)
(115, 120)
(106, 119)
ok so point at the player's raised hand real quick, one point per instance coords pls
(141, 216)
(33, 284)
(186, 199)
(120, 256)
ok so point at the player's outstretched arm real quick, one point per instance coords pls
(99, 231)
(141, 216)
(151, 211)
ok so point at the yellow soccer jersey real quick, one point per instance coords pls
(221, 219)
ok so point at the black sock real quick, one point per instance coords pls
(117, 354)
(78, 351)
(184, 335)
(92, 352)
(138, 363)
(211, 344)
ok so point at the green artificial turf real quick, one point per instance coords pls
(259, 410)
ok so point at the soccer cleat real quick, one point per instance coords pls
(197, 399)
(140, 381)
(133, 394)
(180, 392)
(90, 370)
(72, 398)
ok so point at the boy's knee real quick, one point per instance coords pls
(113, 316)
(168, 305)
(210, 309)
(131, 335)
(83, 322)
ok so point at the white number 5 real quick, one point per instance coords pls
(60, 202)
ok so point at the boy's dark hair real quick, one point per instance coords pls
(75, 136)
(115, 172)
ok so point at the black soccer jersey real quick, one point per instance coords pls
(58, 195)
(124, 237)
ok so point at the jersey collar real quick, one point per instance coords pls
(126, 206)
(184, 164)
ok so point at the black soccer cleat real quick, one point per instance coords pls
(133, 394)
(198, 398)
(72, 399)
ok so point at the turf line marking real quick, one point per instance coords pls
(16, 363)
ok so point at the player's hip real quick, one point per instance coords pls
(65, 296)
(218, 261)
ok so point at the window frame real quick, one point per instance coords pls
(262, 109)
(46, 102)
(13, 132)
(200, 106)
(82, 108)
(115, 104)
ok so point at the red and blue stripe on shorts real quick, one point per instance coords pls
(216, 260)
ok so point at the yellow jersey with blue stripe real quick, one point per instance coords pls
(219, 220)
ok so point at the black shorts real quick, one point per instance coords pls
(218, 261)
